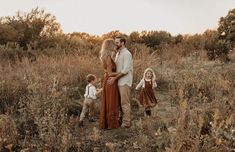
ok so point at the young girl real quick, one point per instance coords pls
(147, 84)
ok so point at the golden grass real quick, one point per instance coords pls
(41, 91)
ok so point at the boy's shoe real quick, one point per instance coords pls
(148, 112)
(81, 124)
(92, 120)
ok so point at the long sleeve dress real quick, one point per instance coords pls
(147, 97)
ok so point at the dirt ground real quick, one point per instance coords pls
(145, 134)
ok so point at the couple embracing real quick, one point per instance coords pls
(115, 110)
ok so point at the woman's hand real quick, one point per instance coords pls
(111, 80)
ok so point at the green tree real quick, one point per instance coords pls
(8, 34)
(33, 26)
(135, 37)
(178, 39)
(112, 34)
(155, 38)
(227, 27)
(211, 38)
(218, 43)
(226, 34)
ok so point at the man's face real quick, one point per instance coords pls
(118, 44)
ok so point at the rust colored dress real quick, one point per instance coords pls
(109, 110)
(147, 97)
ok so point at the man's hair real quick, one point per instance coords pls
(90, 77)
(122, 39)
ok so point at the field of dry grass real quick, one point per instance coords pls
(40, 103)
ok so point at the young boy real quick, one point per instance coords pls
(90, 96)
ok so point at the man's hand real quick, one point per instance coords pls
(111, 80)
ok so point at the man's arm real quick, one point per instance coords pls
(111, 80)
(127, 62)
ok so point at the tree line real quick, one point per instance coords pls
(39, 30)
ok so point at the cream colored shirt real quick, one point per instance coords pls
(124, 65)
(90, 92)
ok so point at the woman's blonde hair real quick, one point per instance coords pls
(107, 48)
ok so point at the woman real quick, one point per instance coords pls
(109, 111)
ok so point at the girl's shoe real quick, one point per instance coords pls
(148, 112)
(92, 120)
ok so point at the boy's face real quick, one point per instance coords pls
(94, 81)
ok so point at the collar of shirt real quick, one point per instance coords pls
(120, 51)
(90, 85)
(147, 79)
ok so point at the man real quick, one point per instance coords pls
(124, 76)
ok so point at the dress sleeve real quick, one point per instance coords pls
(140, 84)
(154, 84)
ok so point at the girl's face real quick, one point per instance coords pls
(149, 75)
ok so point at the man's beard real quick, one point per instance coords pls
(118, 47)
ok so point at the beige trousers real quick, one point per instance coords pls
(88, 106)
(125, 92)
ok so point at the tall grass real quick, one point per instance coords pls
(38, 96)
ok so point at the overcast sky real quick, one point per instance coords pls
(102, 16)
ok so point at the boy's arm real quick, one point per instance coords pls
(98, 91)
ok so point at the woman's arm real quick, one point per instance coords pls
(113, 74)
(109, 68)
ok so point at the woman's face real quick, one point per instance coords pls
(112, 47)
(149, 75)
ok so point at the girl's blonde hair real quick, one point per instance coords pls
(151, 70)
(108, 47)
(153, 80)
